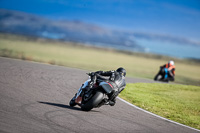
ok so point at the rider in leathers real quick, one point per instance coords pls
(116, 78)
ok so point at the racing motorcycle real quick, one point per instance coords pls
(96, 96)
(163, 75)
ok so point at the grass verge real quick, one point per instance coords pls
(90, 58)
(179, 103)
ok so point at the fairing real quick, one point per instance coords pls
(106, 86)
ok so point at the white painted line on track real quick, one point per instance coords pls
(156, 115)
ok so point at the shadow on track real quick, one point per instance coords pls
(61, 105)
(65, 106)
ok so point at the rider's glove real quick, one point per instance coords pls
(91, 74)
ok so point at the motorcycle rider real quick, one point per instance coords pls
(169, 71)
(116, 78)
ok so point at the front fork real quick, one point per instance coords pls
(78, 97)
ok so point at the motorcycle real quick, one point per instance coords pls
(93, 97)
(163, 75)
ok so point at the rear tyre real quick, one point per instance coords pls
(93, 102)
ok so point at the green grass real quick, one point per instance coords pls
(75, 55)
(179, 103)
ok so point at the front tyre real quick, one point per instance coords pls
(158, 78)
(72, 102)
(93, 102)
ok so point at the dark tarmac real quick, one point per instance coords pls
(34, 98)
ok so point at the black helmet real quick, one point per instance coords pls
(122, 71)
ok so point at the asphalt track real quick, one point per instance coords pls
(34, 98)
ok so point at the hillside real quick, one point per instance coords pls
(78, 31)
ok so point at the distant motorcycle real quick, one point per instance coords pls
(88, 98)
(163, 75)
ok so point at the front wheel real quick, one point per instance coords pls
(72, 102)
(158, 78)
(93, 102)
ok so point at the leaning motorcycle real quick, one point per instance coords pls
(163, 75)
(92, 97)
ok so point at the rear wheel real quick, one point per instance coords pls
(93, 102)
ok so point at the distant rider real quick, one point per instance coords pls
(116, 78)
(167, 71)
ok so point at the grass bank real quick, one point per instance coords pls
(90, 58)
(179, 103)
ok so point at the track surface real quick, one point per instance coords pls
(34, 99)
